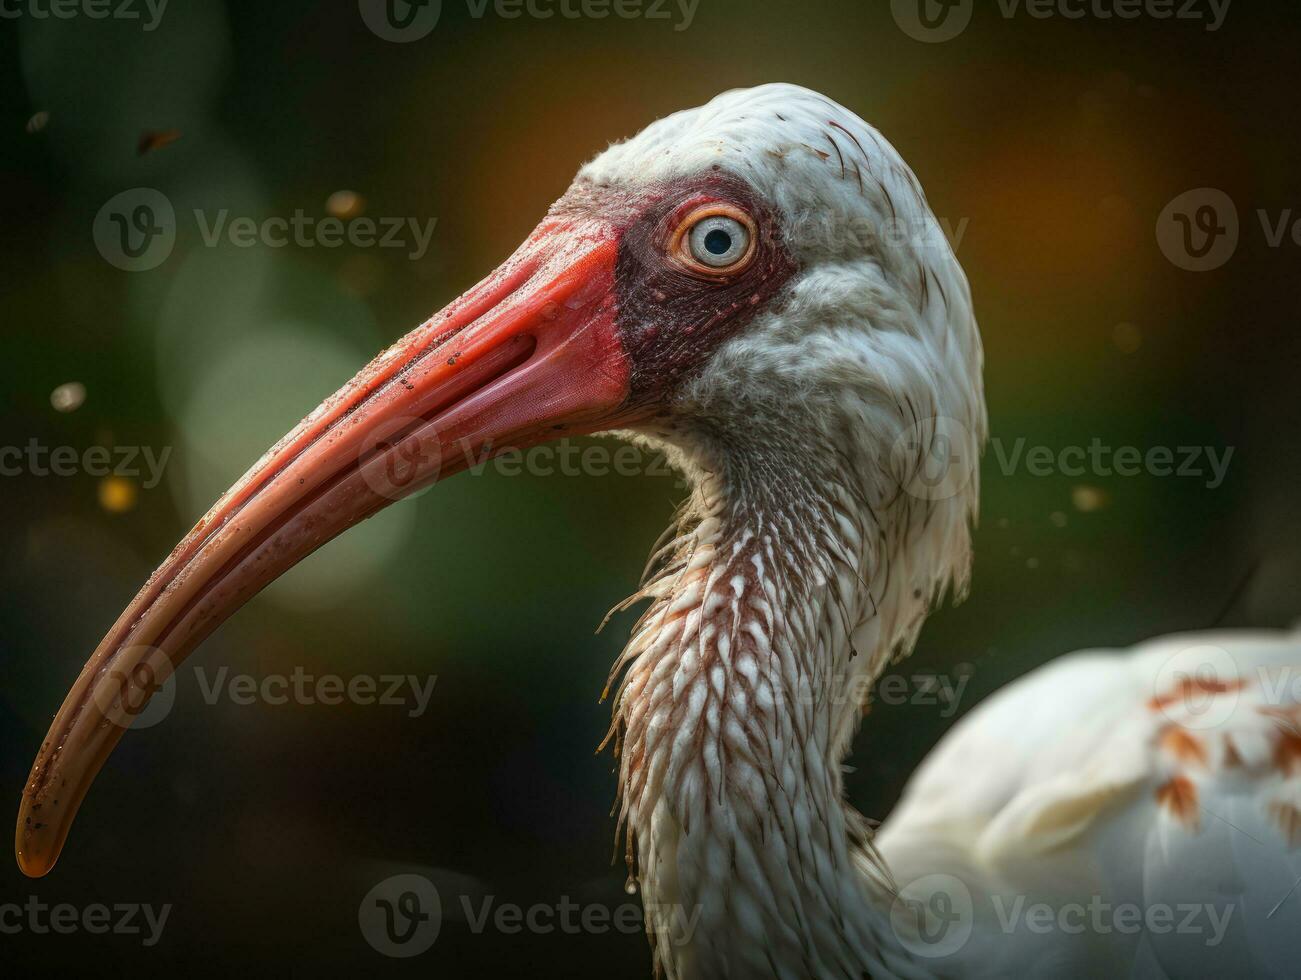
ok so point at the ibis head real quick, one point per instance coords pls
(757, 286)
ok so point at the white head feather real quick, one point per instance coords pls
(874, 338)
(832, 443)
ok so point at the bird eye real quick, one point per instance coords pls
(719, 241)
(717, 238)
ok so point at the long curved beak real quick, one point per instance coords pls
(529, 352)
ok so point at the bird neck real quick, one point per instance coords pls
(742, 688)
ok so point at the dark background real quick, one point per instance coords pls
(1058, 143)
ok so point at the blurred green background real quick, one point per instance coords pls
(1051, 145)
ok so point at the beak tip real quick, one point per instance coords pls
(36, 846)
(33, 865)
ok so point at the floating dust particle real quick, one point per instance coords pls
(156, 139)
(1057, 518)
(1032, 563)
(1127, 337)
(38, 121)
(117, 494)
(1088, 499)
(68, 397)
(345, 205)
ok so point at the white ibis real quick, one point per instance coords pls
(759, 287)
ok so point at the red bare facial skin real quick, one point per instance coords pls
(672, 319)
(585, 328)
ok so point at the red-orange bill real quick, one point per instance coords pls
(529, 352)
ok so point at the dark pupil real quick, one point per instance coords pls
(718, 242)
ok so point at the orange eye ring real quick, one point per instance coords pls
(728, 218)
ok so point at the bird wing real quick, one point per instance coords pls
(1158, 788)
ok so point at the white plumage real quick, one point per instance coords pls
(819, 535)
(1158, 786)
(823, 394)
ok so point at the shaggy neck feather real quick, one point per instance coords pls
(740, 695)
